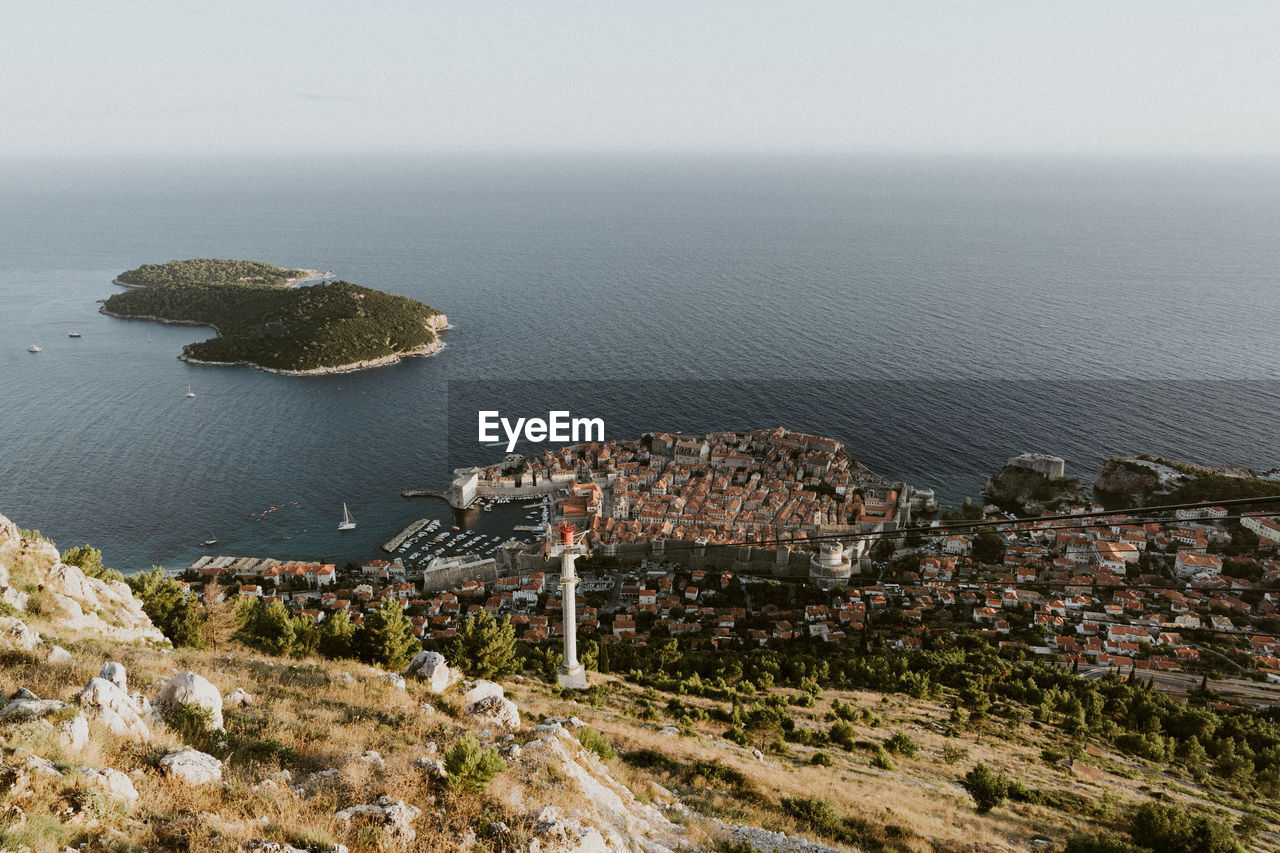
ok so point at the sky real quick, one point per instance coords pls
(1023, 77)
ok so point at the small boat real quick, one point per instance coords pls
(347, 523)
(73, 334)
(190, 393)
(34, 348)
(212, 540)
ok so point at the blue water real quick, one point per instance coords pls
(935, 315)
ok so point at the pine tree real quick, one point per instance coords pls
(484, 647)
(336, 635)
(273, 628)
(604, 658)
(385, 637)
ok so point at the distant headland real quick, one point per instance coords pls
(264, 321)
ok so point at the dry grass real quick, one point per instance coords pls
(308, 716)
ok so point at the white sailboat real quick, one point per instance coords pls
(347, 523)
(190, 393)
(34, 348)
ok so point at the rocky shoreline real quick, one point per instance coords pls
(369, 364)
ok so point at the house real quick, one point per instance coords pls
(1189, 565)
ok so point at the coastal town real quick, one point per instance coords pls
(757, 539)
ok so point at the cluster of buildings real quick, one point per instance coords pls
(762, 486)
(1110, 591)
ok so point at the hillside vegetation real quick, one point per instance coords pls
(333, 325)
(242, 739)
(209, 271)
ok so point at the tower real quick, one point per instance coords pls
(831, 566)
(565, 545)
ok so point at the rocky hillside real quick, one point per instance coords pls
(1024, 491)
(110, 739)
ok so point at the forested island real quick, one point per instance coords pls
(264, 322)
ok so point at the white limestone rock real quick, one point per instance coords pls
(481, 689)
(113, 782)
(192, 767)
(189, 688)
(237, 698)
(43, 766)
(141, 703)
(396, 681)
(397, 817)
(114, 672)
(74, 732)
(15, 598)
(57, 654)
(496, 711)
(432, 668)
(621, 821)
(22, 708)
(103, 701)
(16, 634)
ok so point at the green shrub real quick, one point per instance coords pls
(471, 768)
(597, 743)
(881, 759)
(902, 744)
(1173, 829)
(953, 754)
(820, 816)
(194, 724)
(987, 788)
(1104, 842)
(821, 759)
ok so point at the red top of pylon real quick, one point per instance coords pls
(566, 531)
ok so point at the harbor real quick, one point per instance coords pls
(392, 544)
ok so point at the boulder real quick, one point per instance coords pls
(397, 817)
(433, 767)
(114, 672)
(113, 782)
(57, 654)
(432, 668)
(192, 767)
(497, 711)
(396, 681)
(141, 703)
(108, 704)
(15, 598)
(22, 708)
(74, 732)
(237, 698)
(43, 766)
(15, 634)
(188, 688)
(481, 689)
(614, 810)
(558, 833)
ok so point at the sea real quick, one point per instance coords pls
(937, 315)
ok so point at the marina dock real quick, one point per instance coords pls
(392, 544)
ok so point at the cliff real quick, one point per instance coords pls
(1024, 491)
(1128, 479)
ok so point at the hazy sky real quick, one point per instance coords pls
(542, 75)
